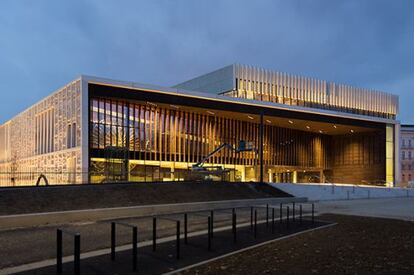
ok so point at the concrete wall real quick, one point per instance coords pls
(321, 192)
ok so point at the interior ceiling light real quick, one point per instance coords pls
(152, 104)
(335, 126)
(320, 131)
(250, 117)
(268, 121)
(307, 127)
(352, 131)
(291, 122)
(174, 106)
(211, 113)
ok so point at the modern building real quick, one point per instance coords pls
(407, 155)
(266, 126)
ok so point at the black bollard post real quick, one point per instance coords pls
(185, 228)
(280, 217)
(134, 248)
(234, 227)
(113, 240)
(212, 223)
(178, 239)
(313, 213)
(251, 218)
(267, 215)
(287, 217)
(255, 223)
(58, 251)
(293, 212)
(76, 254)
(273, 220)
(209, 233)
(154, 233)
(300, 214)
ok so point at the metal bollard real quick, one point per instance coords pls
(251, 218)
(58, 251)
(234, 227)
(134, 248)
(280, 217)
(178, 239)
(77, 255)
(300, 214)
(255, 223)
(267, 215)
(209, 232)
(212, 223)
(293, 212)
(185, 228)
(113, 240)
(273, 220)
(313, 213)
(154, 233)
(287, 216)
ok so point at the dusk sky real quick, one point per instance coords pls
(45, 44)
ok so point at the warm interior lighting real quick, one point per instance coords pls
(291, 122)
(335, 126)
(268, 121)
(174, 106)
(250, 117)
(210, 112)
(307, 127)
(352, 131)
(151, 104)
(320, 131)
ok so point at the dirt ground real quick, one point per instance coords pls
(356, 245)
(60, 198)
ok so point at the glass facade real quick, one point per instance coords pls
(164, 141)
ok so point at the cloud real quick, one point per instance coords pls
(48, 43)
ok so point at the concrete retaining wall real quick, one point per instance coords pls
(322, 192)
(39, 219)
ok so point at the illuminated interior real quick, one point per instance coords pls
(163, 141)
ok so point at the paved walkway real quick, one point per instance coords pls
(395, 208)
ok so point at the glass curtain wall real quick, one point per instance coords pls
(163, 142)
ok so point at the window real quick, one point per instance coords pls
(409, 142)
(44, 132)
(403, 177)
(409, 155)
(403, 142)
(409, 167)
(409, 177)
(74, 129)
(71, 135)
(402, 167)
(403, 155)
